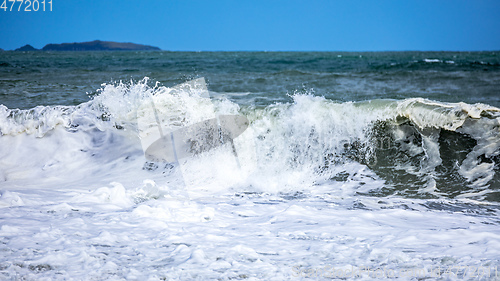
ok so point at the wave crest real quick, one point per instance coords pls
(413, 147)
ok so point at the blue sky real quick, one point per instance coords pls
(270, 25)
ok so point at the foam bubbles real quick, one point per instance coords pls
(314, 184)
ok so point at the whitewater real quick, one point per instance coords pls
(314, 188)
(80, 201)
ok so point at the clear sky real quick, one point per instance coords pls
(267, 25)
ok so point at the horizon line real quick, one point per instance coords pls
(261, 51)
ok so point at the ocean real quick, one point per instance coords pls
(363, 166)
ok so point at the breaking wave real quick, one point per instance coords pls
(410, 148)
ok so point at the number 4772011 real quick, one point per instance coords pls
(26, 5)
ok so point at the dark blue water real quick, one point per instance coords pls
(28, 79)
(428, 136)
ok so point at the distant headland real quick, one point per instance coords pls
(95, 45)
(25, 48)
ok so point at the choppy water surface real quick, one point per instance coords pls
(351, 163)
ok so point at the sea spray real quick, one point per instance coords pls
(387, 186)
(294, 146)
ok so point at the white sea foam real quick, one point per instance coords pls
(78, 199)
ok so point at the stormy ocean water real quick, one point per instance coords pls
(362, 166)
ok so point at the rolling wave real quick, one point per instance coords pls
(410, 148)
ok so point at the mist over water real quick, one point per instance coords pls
(366, 160)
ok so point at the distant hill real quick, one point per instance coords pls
(98, 45)
(26, 47)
